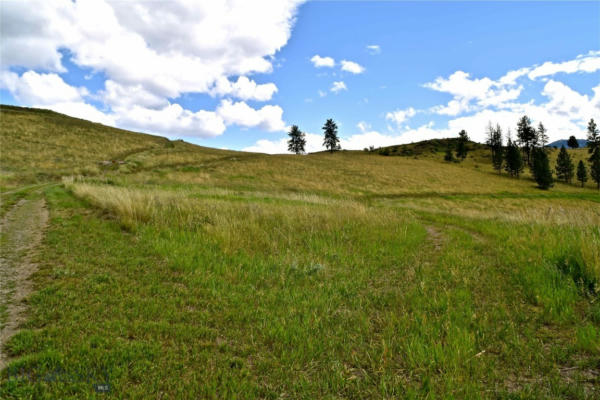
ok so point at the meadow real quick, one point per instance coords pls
(188, 272)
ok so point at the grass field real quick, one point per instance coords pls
(187, 272)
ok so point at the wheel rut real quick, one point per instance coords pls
(21, 232)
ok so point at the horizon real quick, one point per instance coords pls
(388, 73)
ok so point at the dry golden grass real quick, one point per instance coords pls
(40, 141)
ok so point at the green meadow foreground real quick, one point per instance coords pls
(179, 271)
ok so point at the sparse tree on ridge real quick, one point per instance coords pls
(581, 173)
(461, 146)
(572, 142)
(526, 137)
(564, 166)
(541, 169)
(495, 142)
(595, 166)
(513, 159)
(331, 140)
(593, 136)
(542, 137)
(297, 140)
(449, 156)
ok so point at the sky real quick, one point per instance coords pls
(237, 74)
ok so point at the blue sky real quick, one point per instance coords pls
(414, 70)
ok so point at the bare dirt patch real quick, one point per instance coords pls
(21, 232)
(435, 236)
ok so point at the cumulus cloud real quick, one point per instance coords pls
(244, 89)
(466, 91)
(338, 86)
(400, 116)
(352, 67)
(173, 119)
(151, 53)
(240, 113)
(34, 88)
(319, 61)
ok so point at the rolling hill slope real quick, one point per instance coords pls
(189, 272)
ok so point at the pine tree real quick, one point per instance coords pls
(331, 140)
(449, 156)
(297, 140)
(513, 161)
(541, 169)
(542, 137)
(595, 166)
(526, 136)
(581, 173)
(572, 142)
(593, 137)
(495, 142)
(461, 145)
(564, 166)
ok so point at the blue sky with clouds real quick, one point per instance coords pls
(237, 74)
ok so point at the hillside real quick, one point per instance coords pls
(563, 142)
(188, 272)
(43, 143)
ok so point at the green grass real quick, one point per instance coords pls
(198, 273)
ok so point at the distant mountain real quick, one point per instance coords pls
(563, 142)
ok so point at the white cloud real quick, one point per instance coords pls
(244, 89)
(583, 63)
(400, 116)
(150, 52)
(352, 67)
(363, 126)
(322, 93)
(122, 98)
(268, 117)
(173, 120)
(471, 94)
(319, 61)
(338, 86)
(374, 49)
(34, 88)
(314, 143)
(80, 110)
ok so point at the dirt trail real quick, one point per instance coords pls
(435, 236)
(21, 231)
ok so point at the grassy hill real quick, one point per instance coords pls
(42, 144)
(188, 272)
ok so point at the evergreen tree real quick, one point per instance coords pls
(331, 140)
(541, 169)
(297, 140)
(461, 145)
(593, 137)
(572, 142)
(595, 166)
(581, 173)
(542, 137)
(526, 137)
(495, 142)
(564, 166)
(449, 156)
(513, 162)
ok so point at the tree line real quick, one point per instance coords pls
(529, 149)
